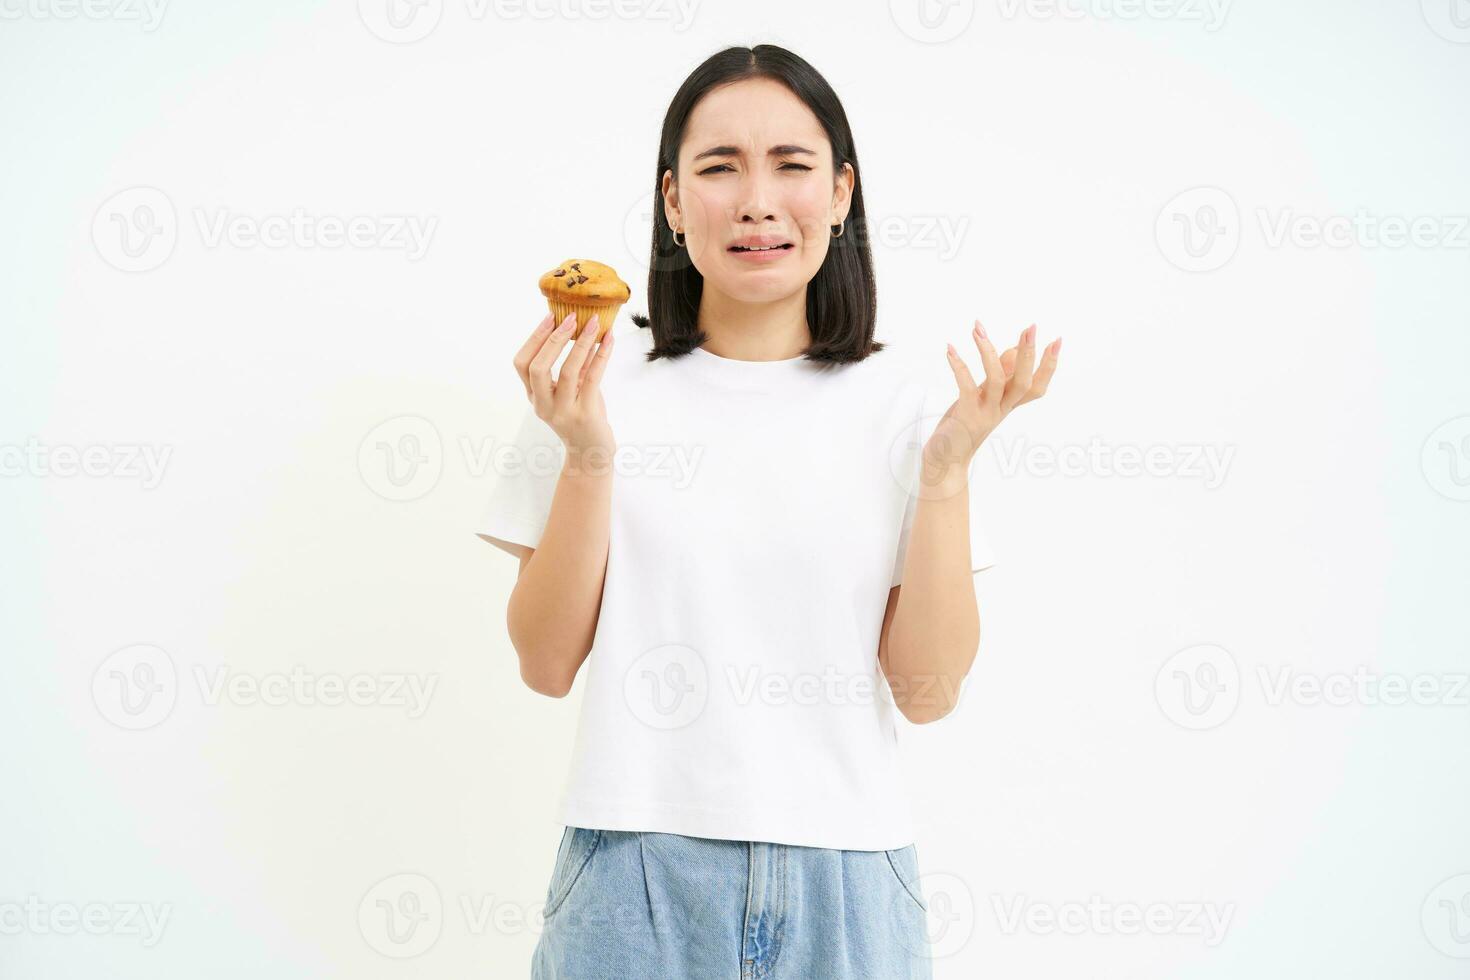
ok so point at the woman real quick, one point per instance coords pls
(729, 566)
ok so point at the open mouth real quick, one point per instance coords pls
(763, 248)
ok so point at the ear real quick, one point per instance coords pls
(670, 193)
(842, 193)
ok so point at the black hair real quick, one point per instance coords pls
(841, 299)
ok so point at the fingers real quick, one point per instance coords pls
(1020, 381)
(543, 390)
(1045, 371)
(995, 377)
(963, 379)
(599, 363)
(522, 359)
(571, 369)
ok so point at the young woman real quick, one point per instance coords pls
(758, 538)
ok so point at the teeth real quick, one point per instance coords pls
(762, 248)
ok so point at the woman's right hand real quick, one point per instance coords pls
(570, 403)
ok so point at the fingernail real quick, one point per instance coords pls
(949, 347)
(980, 330)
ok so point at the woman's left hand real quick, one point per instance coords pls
(1009, 382)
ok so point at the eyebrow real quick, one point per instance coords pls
(784, 150)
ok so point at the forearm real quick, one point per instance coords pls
(935, 631)
(553, 609)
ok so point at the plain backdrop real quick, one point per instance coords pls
(262, 271)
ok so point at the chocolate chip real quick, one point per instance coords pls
(559, 272)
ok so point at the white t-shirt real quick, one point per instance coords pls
(759, 516)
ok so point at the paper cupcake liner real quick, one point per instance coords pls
(605, 315)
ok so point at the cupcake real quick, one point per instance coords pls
(584, 287)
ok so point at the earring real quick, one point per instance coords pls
(676, 239)
(841, 227)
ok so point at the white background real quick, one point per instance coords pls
(1020, 165)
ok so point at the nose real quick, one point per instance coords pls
(754, 197)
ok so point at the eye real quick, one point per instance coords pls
(800, 168)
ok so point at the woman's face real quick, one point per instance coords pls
(755, 168)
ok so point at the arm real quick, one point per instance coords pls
(551, 617)
(931, 629)
(553, 608)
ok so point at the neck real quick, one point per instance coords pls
(744, 331)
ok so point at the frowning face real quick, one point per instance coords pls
(756, 197)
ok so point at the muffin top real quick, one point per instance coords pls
(584, 281)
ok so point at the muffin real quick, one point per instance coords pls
(585, 287)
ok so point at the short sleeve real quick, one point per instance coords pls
(526, 470)
(982, 555)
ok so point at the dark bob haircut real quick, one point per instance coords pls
(841, 299)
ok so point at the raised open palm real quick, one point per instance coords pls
(979, 407)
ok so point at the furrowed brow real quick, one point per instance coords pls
(784, 150)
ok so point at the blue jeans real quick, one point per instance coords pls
(634, 905)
